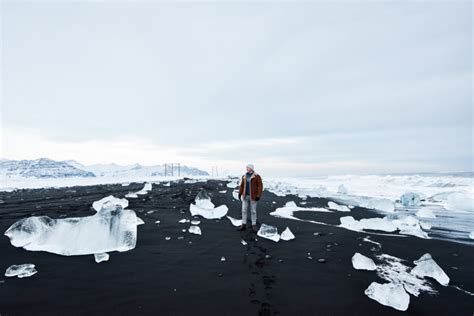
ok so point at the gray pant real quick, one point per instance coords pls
(253, 210)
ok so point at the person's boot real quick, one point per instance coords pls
(241, 227)
(254, 228)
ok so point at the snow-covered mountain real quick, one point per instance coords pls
(114, 170)
(47, 168)
(40, 168)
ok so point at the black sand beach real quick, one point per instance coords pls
(187, 277)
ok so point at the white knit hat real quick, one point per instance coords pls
(250, 166)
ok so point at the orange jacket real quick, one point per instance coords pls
(256, 186)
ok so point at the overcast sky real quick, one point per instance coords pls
(301, 88)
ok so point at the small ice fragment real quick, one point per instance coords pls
(273, 202)
(195, 230)
(183, 230)
(222, 258)
(389, 294)
(149, 212)
(287, 235)
(425, 213)
(471, 235)
(182, 221)
(157, 222)
(269, 232)
(140, 221)
(131, 195)
(361, 262)
(236, 222)
(336, 207)
(109, 201)
(99, 257)
(410, 199)
(167, 238)
(243, 242)
(21, 270)
(427, 267)
(223, 191)
(195, 222)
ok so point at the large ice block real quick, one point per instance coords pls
(389, 294)
(361, 262)
(21, 270)
(269, 232)
(427, 267)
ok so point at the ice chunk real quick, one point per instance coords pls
(460, 202)
(235, 194)
(342, 189)
(110, 229)
(389, 294)
(131, 195)
(223, 191)
(425, 213)
(99, 257)
(336, 207)
(287, 234)
(146, 188)
(195, 230)
(243, 242)
(427, 267)
(236, 222)
(410, 199)
(157, 222)
(140, 221)
(361, 262)
(109, 200)
(167, 184)
(21, 270)
(222, 259)
(204, 207)
(290, 208)
(409, 225)
(269, 232)
(195, 222)
(471, 235)
(182, 221)
(381, 224)
(385, 205)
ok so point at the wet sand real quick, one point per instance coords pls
(187, 277)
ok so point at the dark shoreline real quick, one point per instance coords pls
(178, 278)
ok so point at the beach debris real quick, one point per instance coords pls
(236, 222)
(203, 206)
(112, 228)
(195, 222)
(269, 232)
(223, 259)
(410, 199)
(337, 207)
(389, 294)
(427, 267)
(21, 270)
(287, 235)
(195, 230)
(361, 262)
(99, 257)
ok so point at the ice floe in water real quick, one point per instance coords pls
(361, 262)
(287, 235)
(195, 230)
(112, 228)
(427, 267)
(425, 213)
(203, 206)
(269, 232)
(236, 222)
(21, 270)
(336, 207)
(99, 257)
(410, 199)
(389, 294)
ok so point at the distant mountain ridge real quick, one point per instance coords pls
(48, 168)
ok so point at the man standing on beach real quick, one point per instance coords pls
(250, 191)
